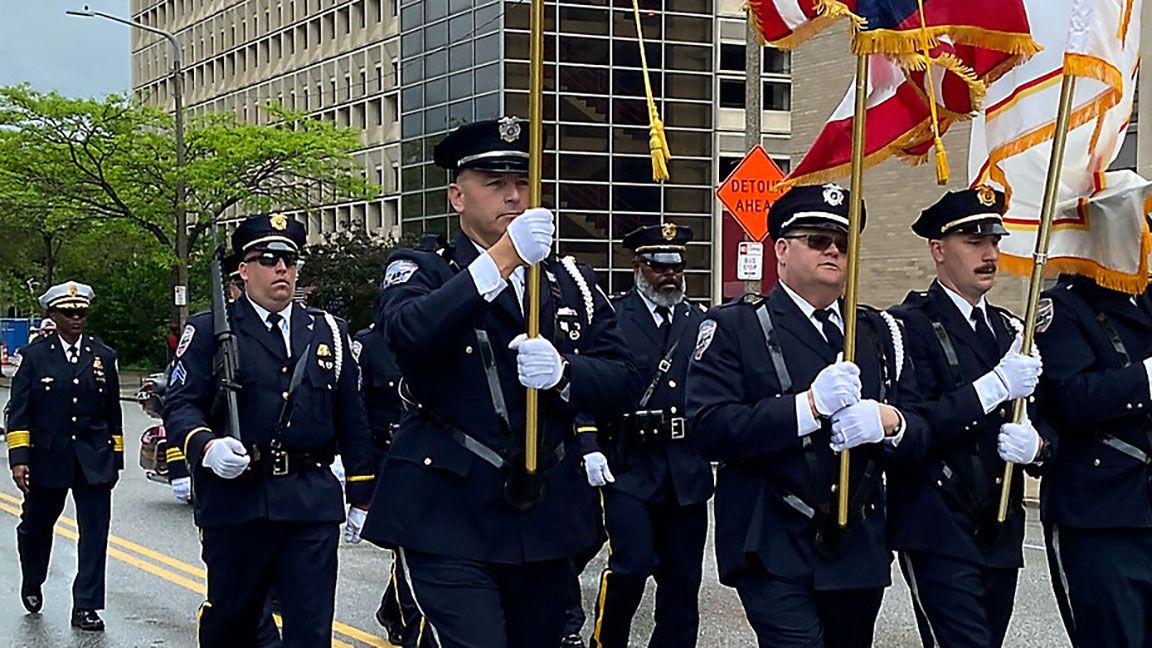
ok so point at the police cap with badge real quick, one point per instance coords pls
(273, 235)
(811, 207)
(976, 211)
(70, 295)
(660, 244)
(493, 145)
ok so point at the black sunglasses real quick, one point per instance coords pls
(661, 268)
(821, 242)
(269, 258)
(73, 313)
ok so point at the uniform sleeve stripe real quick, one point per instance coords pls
(19, 439)
(191, 434)
(360, 478)
(587, 428)
(173, 455)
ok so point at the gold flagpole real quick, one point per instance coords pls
(535, 178)
(1040, 256)
(855, 208)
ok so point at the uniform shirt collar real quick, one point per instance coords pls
(965, 307)
(809, 309)
(65, 346)
(652, 306)
(285, 314)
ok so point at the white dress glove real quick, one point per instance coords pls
(538, 363)
(337, 468)
(182, 489)
(226, 457)
(836, 386)
(596, 466)
(354, 525)
(1019, 373)
(531, 234)
(1018, 442)
(857, 425)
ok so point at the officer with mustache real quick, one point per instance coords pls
(960, 564)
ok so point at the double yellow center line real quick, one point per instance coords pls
(178, 572)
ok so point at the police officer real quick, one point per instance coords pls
(960, 564)
(770, 399)
(267, 505)
(1094, 497)
(656, 511)
(66, 433)
(485, 545)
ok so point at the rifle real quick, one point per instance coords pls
(227, 359)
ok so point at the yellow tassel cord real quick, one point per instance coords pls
(657, 142)
(942, 171)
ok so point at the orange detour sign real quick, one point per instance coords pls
(751, 189)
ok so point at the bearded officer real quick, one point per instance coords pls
(770, 399)
(960, 564)
(267, 504)
(656, 511)
(65, 433)
(486, 547)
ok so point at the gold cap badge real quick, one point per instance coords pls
(279, 221)
(986, 195)
(668, 231)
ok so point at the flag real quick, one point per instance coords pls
(1099, 229)
(933, 73)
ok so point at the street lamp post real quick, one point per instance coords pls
(180, 291)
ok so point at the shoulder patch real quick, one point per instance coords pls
(704, 337)
(398, 272)
(185, 339)
(357, 347)
(1045, 310)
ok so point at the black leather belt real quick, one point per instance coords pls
(279, 463)
(654, 426)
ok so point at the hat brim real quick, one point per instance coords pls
(991, 227)
(273, 243)
(517, 165)
(665, 256)
(70, 303)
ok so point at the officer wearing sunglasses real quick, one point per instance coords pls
(770, 398)
(268, 506)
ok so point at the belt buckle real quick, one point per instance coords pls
(679, 429)
(279, 463)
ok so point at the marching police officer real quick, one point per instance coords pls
(485, 545)
(66, 433)
(960, 564)
(656, 511)
(1094, 497)
(769, 398)
(266, 502)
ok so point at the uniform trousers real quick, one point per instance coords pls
(658, 538)
(473, 604)
(959, 603)
(246, 562)
(41, 509)
(398, 612)
(1103, 584)
(786, 614)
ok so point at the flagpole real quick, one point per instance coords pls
(1040, 256)
(535, 184)
(855, 208)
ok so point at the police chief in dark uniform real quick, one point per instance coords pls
(960, 564)
(66, 433)
(1094, 498)
(487, 549)
(769, 398)
(267, 504)
(656, 510)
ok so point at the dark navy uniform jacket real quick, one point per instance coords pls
(1089, 391)
(740, 416)
(380, 385)
(326, 414)
(65, 415)
(435, 495)
(932, 505)
(641, 470)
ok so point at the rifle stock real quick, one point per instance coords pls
(227, 359)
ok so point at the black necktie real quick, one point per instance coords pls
(832, 332)
(665, 323)
(73, 354)
(984, 334)
(274, 320)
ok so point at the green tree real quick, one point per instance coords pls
(342, 274)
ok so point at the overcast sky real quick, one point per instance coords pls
(84, 57)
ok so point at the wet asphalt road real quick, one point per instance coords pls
(155, 581)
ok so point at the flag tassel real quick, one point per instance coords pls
(942, 171)
(657, 140)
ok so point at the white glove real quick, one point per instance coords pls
(1019, 373)
(836, 386)
(337, 468)
(857, 425)
(226, 457)
(1018, 442)
(531, 234)
(182, 489)
(596, 466)
(538, 363)
(354, 525)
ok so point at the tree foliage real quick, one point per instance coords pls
(342, 274)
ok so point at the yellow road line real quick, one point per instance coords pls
(66, 526)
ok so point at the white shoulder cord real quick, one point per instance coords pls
(897, 341)
(337, 342)
(569, 264)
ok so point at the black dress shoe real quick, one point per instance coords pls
(391, 629)
(32, 599)
(572, 641)
(87, 620)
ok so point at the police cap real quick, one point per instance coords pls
(271, 232)
(660, 243)
(493, 145)
(813, 206)
(971, 211)
(70, 295)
